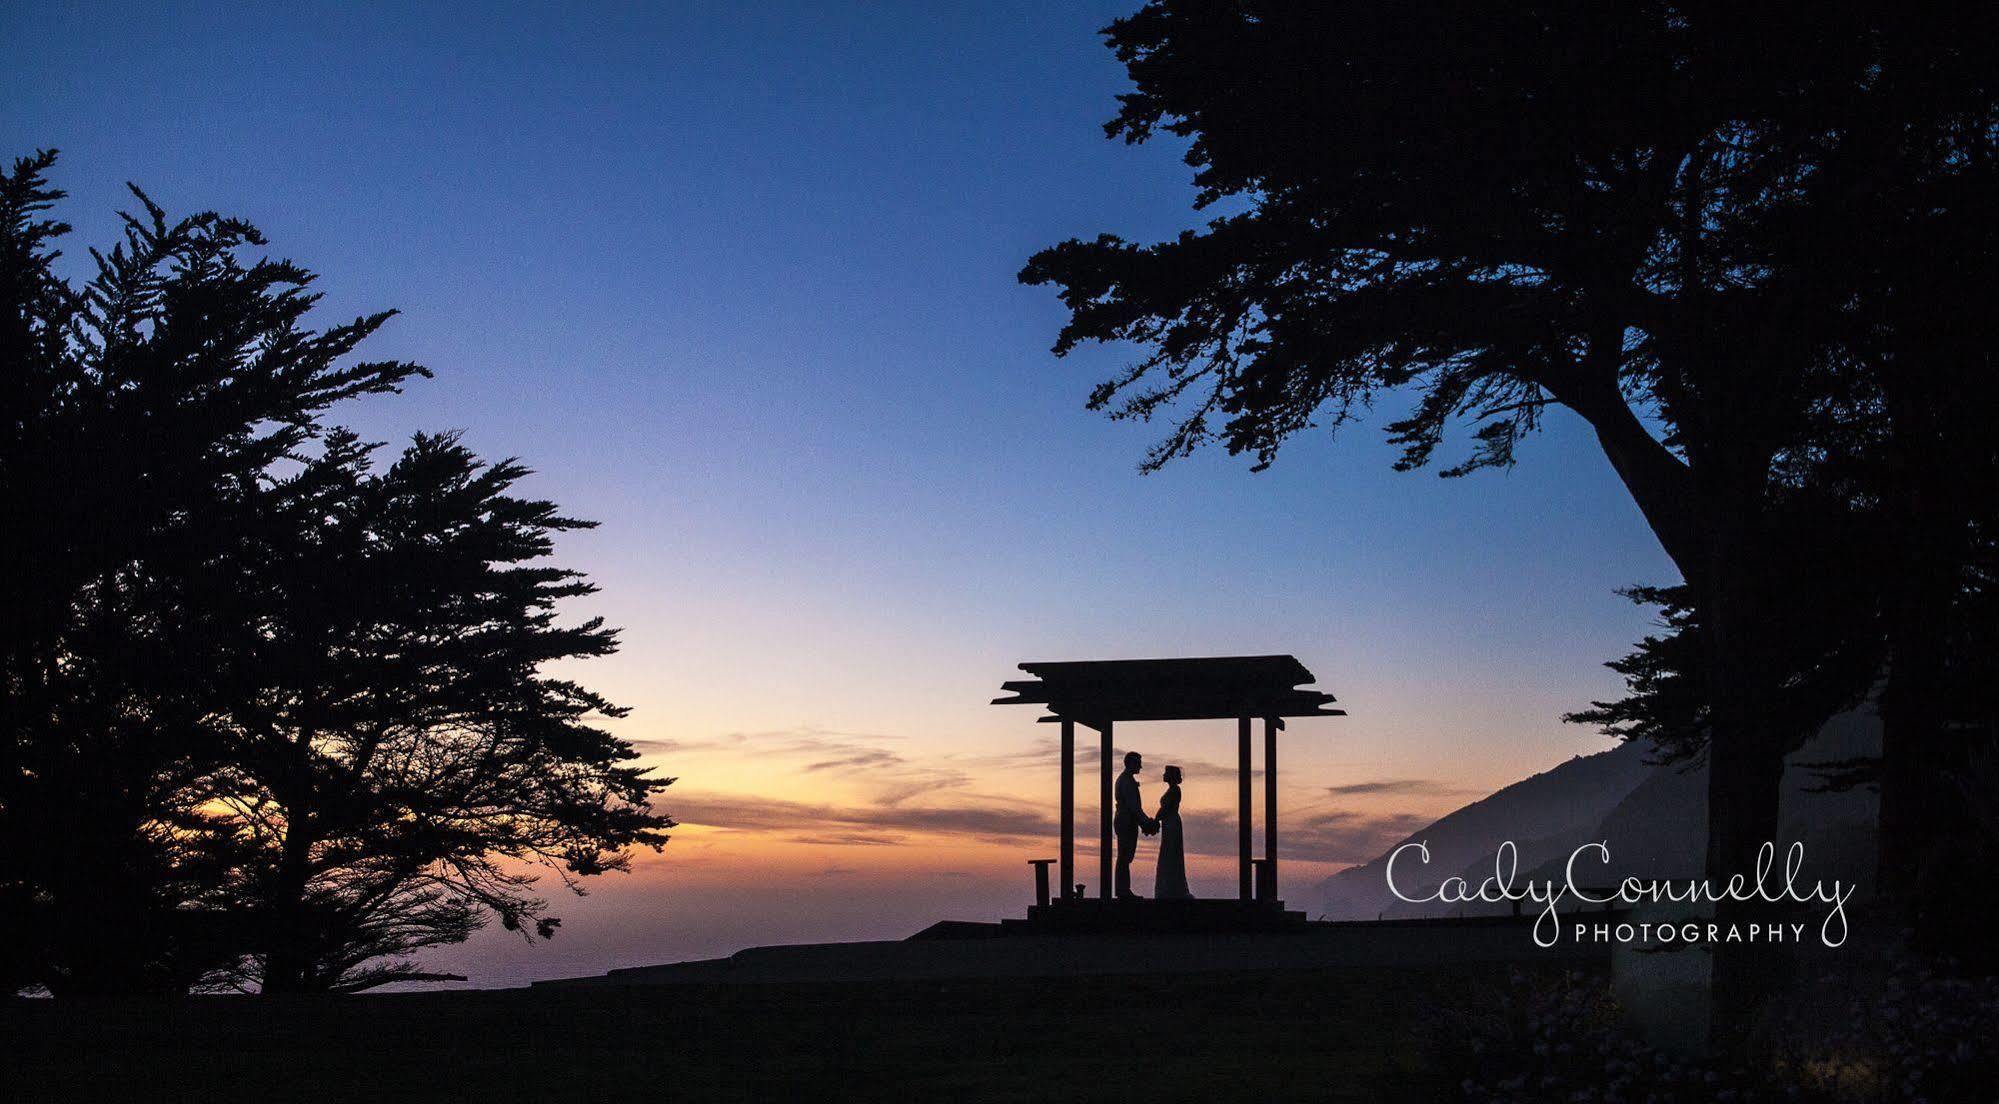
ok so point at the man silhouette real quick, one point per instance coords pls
(1129, 820)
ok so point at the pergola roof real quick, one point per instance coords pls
(1097, 692)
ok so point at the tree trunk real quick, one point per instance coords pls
(1930, 515)
(101, 923)
(101, 935)
(1710, 524)
(1912, 722)
(288, 962)
(1745, 783)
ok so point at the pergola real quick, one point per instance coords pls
(1099, 693)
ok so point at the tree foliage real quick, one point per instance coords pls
(1699, 227)
(401, 762)
(266, 713)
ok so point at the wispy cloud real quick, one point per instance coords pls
(850, 839)
(1400, 786)
(1329, 837)
(888, 775)
(1343, 837)
(992, 818)
(856, 759)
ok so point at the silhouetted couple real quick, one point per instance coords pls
(1171, 881)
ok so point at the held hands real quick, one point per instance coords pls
(1150, 827)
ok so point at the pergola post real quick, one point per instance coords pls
(1270, 803)
(1104, 774)
(1242, 803)
(1068, 853)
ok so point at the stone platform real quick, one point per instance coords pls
(1099, 916)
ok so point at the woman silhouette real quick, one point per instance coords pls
(1171, 881)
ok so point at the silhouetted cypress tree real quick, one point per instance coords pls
(1631, 211)
(161, 458)
(400, 763)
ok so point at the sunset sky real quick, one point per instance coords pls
(739, 283)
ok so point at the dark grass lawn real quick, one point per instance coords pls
(1349, 1035)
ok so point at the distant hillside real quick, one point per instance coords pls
(1654, 820)
(1542, 815)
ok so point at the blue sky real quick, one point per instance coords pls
(739, 283)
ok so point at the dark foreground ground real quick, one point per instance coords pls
(1353, 1034)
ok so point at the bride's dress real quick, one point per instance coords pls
(1171, 881)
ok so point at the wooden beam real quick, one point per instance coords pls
(1089, 713)
(1068, 860)
(1086, 722)
(1104, 791)
(1270, 802)
(1242, 804)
